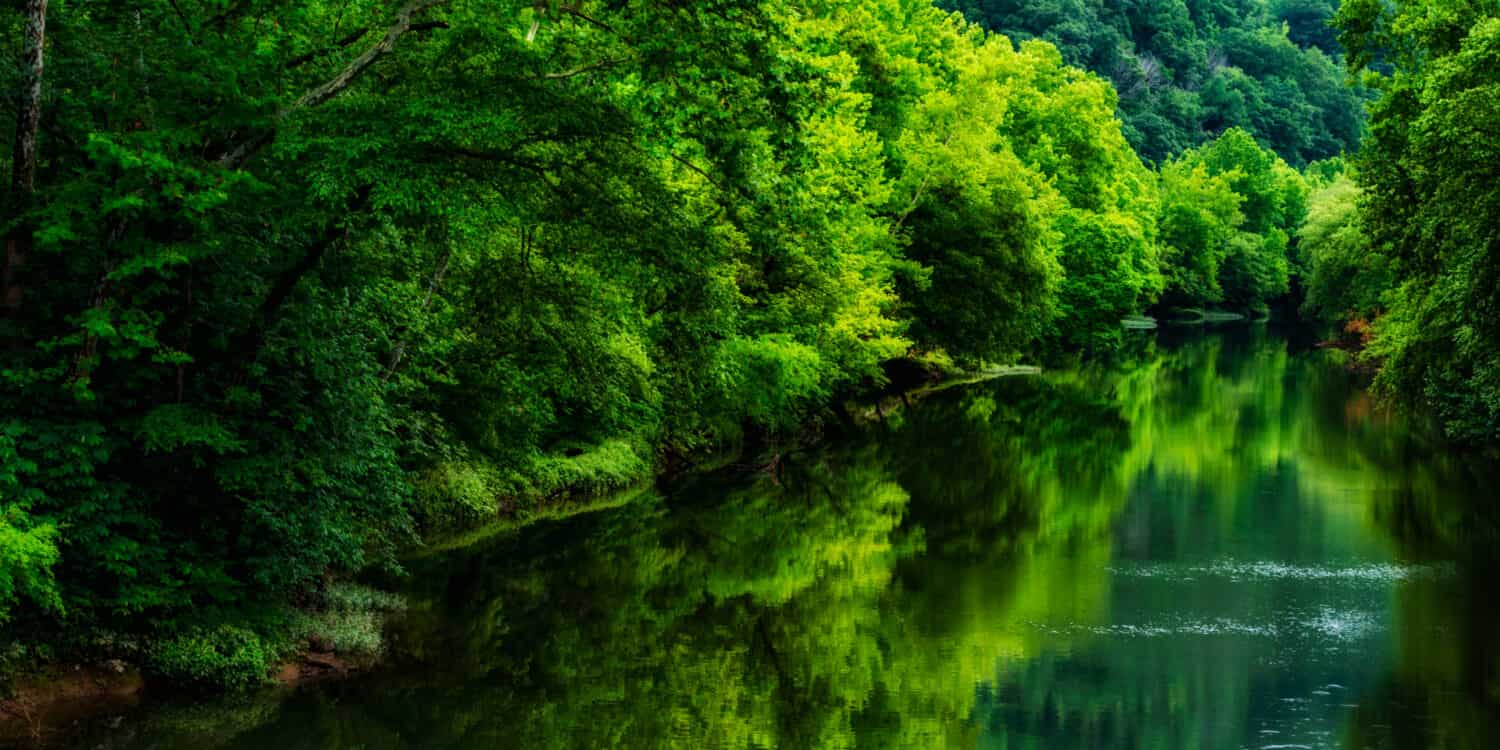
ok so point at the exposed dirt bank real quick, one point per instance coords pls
(42, 702)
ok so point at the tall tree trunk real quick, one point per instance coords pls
(23, 159)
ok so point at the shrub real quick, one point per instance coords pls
(350, 633)
(351, 597)
(352, 621)
(455, 494)
(224, 658)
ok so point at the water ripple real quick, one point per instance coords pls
(1218, 626)
(1268, 570)
(1326, 624)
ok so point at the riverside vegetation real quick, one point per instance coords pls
(290, 287)
(1060, 560)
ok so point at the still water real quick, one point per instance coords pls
(1218, 543)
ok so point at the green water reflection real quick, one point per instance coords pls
(1219, 543)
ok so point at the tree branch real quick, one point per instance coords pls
(334, 86)
(736, 189)
(182, 17)
(530, 165)
(400, 351)
(580, 70)
(308, 57)
(573, 11)
(916, 199)
(222, 19)
(353, 37)
(321, 93)
(249, 342)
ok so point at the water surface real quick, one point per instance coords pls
(1217, 543)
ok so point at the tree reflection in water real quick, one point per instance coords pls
(1218, 542)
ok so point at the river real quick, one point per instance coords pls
(1218, 542)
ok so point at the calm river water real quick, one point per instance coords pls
(1218, 543)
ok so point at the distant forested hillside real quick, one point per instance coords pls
(1187, 70)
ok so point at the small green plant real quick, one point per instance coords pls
(352, 620)
(350, 633)
(352, 597)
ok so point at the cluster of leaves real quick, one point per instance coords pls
(1188, 69)
(301, 280)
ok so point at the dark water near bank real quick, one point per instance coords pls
(1221, 543)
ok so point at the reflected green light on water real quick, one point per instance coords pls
(1218, 543)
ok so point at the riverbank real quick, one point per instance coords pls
(40, 701)
(336, 633)
(1048, 530)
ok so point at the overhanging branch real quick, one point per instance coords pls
(321, 93)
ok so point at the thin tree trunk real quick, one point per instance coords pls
(23, 163)
(23, 158)
(400, 351)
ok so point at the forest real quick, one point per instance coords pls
(290, 288)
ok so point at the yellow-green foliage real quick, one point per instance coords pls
(454, 493)
(1229, 208)
(1345, 276)
(276, 320)
(28, 545)
(612, 465)
(26, 560)
(1199, 214)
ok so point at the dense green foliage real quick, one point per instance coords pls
(1045, 562)
(227, 657)
(1346, 280)
(1429, 178)
(288, 287)
(1187, 70)
(1404, 236)
(295, 283)
(1229, 209)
